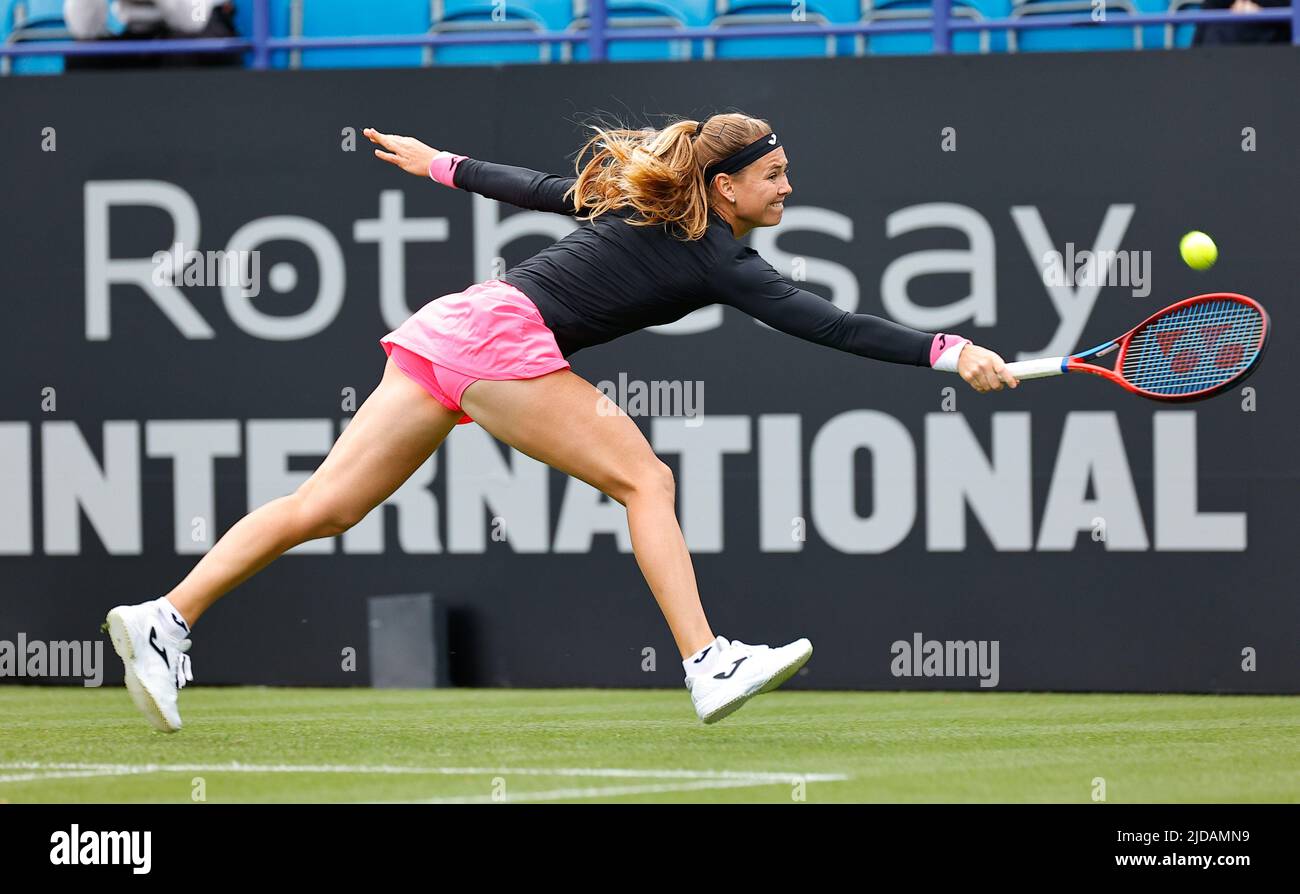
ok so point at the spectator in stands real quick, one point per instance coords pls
(151, 20)
(1218, 33)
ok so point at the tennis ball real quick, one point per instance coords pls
(1198, 250)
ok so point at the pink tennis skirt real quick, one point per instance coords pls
(491, 330)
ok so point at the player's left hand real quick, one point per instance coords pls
(983, 369)
(407, 153)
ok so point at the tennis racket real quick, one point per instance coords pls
(1191, 350)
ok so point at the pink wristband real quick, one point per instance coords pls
(944, 351)
(443, 166)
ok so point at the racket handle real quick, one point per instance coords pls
(1037, 369)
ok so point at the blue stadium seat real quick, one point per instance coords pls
(280, 15)
(557, 14)
(460, 16)
(631, 14)
(1078, 37)
(994, 9)
(1167, 36)
(844, 13)
(28, 20)
(732, 13)
(348, 18)
(45, 9)
(696, 14)
(22, 21)
(919, 44)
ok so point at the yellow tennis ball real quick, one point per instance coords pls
(1198, 250)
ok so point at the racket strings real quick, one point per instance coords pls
(1194, 348)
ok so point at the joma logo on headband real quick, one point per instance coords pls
(773, 140)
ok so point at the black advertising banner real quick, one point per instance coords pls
(1064, 536)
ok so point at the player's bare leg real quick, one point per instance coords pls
(391, 435)
(597, 444)
(395, 430)
(592, 441)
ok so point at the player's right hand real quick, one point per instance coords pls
(983, 369)
(407, 153)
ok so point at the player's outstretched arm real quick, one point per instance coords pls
(749, 283)
(521, 187)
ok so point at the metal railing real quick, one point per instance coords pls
(941, 25)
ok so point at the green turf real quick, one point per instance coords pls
(934, 747)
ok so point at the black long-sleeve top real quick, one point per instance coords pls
(608, 278)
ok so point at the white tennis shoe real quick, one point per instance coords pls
(738, 672)
(157, 667)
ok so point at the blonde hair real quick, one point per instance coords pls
(659, 173)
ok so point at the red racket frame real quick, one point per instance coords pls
(1074, 363)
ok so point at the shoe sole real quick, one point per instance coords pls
(776, 680)
(121, 639)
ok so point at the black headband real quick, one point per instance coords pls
(742, 158)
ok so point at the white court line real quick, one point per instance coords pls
(70, 774)
(89, 769)
(607, 792)
(693, 780)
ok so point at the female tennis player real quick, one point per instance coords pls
(664, 212)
